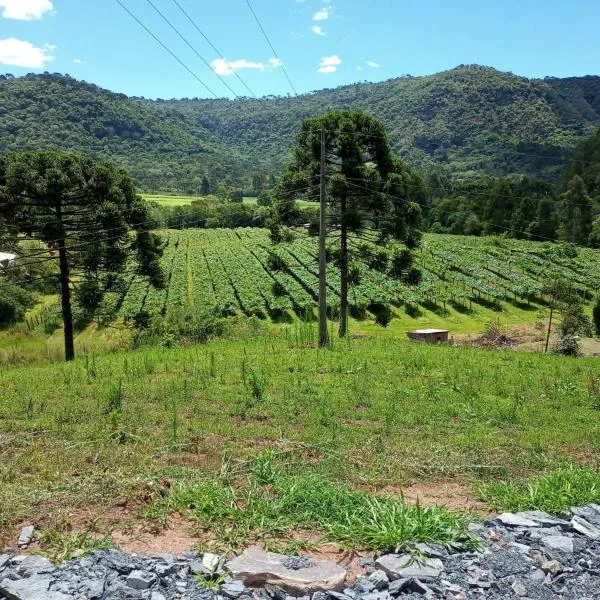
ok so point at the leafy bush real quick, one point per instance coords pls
(575, 321)
(14, 302)
(189, 326)
(596, 316)
(567, 346)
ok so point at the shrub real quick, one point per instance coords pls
(568, 346)
(575, 321)
(14, 302)
(596, 316)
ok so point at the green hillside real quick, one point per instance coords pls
(470, 118)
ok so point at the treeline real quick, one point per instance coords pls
(521, 207)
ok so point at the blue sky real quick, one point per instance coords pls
(323, 43)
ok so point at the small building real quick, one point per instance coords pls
(429, 336)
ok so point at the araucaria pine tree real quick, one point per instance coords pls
(84, 212)
(370, 192)
(576, 213)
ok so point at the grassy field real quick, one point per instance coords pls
(154, 426)
(172, 201)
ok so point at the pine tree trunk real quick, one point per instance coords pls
(343, 271)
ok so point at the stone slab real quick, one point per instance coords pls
(257, 568)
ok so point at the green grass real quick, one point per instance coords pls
(277, 508)
(554, 493)
(370, 414)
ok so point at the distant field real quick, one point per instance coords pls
(170, 200)
(185, 200)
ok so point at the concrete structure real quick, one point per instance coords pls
(429, 336)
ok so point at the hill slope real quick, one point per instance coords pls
(470, 118)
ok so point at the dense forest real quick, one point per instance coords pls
(471, 121)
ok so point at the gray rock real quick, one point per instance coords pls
(4, 558)
(157, 596)
(431, 550)
(558, 545)
(552, 567)
(32, 565)
(255, 567)
(382, 595)
(233, 589)
(589, 512)
(544, 519)
(364, 585)
(141, 580)
(537, 576)
(518, 588)
(211, 562)
(399, 566)
(480, 583)
(31, 588)
(585, 527)
(522, 548)
(505, 563)
(379, 580)
(398, 585)
(26, 536)
(93, 589)
(515, 520)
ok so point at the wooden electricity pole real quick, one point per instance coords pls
(323, 336)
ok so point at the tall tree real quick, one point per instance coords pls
(369, 189)
(499, 206)
(83, 211)
(576, 213)
(205, 186)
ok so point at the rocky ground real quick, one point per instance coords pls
(527, 555)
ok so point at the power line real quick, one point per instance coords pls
(194, 75)
(195, 25)
(271, 46)
(166, 20)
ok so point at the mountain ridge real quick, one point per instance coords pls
(470, 120)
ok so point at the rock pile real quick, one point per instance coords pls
(528, 555)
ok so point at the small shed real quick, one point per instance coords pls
(429, 336)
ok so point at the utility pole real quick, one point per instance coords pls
(323, 334)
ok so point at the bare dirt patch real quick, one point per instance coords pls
(452, 495)
(176, 537)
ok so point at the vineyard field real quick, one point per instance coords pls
(239, 271)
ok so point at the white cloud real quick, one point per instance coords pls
(322, 15)
(79, 61)
(19, 53)
(226, 67)
(373, 64)
(316, 29)
(25, 10)
(329, 64)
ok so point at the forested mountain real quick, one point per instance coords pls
(472, 119)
